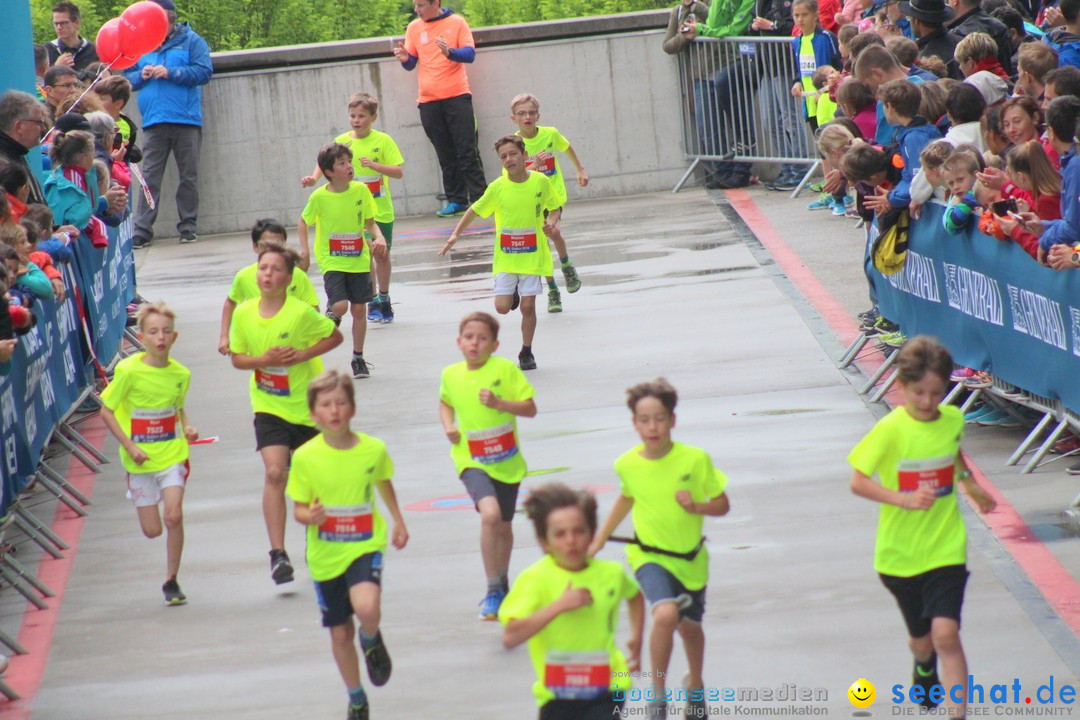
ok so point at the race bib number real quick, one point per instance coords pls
(493, 445)
(518, 241)
(347, 523)
(807, 65)
(577, 675)
(151, 426)
(346, 245)
(373, 183)
(936, 472)
(547, 165)
(272, 380)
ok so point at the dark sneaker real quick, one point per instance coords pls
(526, 361)
(386, 311)
(374, 313)
(925, 682)
(783, 184)
(138, 243)
(451, 209)
(173, 595)
(334, 316)
(360, 368)
(573, 282)
(357, 712)
(656, 709)
(281, 570)
(733, 181)
(554, 301)
(186, 238)
(516, 301)
(378, 661)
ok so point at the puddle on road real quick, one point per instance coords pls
(783, 411)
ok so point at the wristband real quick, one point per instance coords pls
(963, 475)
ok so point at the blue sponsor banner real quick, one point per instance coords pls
(993, 306)
(51, 367)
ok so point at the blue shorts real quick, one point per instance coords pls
(333, 594)
(659, 585)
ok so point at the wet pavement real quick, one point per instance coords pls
(670, 288)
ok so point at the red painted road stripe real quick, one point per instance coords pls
(36, 635)
(1055, 583)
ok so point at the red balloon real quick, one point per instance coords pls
(142, 28)
(108, 41)
(123, 63)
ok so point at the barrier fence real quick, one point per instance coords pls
(737, 104)
(52, 372)
(997, 310)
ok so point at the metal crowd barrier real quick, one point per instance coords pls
(737, 105)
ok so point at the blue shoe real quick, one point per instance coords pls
(998, 418)
(451, 209)
(979, 412)
(823, 202)
(839, 209)
(374, 312)
(386, 311)
(489, 606)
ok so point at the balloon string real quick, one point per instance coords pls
(100, 75)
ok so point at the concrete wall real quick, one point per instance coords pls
(616, 98)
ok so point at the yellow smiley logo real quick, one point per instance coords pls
(862, 693)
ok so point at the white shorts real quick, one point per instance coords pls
(527, 285)
(144, 489)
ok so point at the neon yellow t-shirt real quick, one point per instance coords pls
(807, 66)
(905, 452)
(520, 245)
(548, 139)
(380, 148)
(245, 286)
(344, 482)
(659, 520)
(147, 402)
(575, 656)
(489, 437)
(280, 391)
(339, 220)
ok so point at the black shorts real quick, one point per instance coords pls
(935, 593)
(271, 430)
(659, 585)
(333, 595)
(603, 709)
(354, 287)
(481, 485)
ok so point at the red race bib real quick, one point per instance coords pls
(272, 380)
(517, 241)
(346, 245)
(347, 523)
(373, 183)
(577, 675)
(151, 426)
(493, 445)
(547, 165)
(936, 472)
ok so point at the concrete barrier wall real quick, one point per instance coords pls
(616, 98)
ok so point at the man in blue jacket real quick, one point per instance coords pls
(169, 81)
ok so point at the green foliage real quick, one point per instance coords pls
(239, 24)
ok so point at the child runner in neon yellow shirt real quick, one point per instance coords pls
(525, 209)
(541, 143)
(245, 286)
(376, 158)
(144, 410)
(341, 212)
(480, 400)
(333, 481)
(280, 339)
(921, 550)
(670, 487)
(567, 606)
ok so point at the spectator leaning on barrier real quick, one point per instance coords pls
(439, 43)
(928, 18)
(1058, 238)
(68, 49)
(22, 125)
(169, 81)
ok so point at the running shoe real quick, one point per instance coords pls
(489, 606)
(883, 326)
(387, 312)
(173, 595)
(839, 209)
(357, 712)
(893, 339)
(186, 238)
(961, 374)
(695, 707)
(554, 301)
(281, 570)
(451, 209)
(824, 202)
(140, 242)
(377, 659)
(926, 681)
(1013, 393)
(979, 380)
(360, 368)
(981, 411)
(817, 187)
(868, 319)
(573, 282)
(999, 418)
(374, 312)
(852, 214)
(526, 361)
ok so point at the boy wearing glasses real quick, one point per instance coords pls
(541, 143)
(68, 49)
(60, 83)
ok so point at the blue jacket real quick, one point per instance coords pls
(826, 52)
(1067, 230)
(911, 139)
(70, 205)
(1066, 44)
(178, 98)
